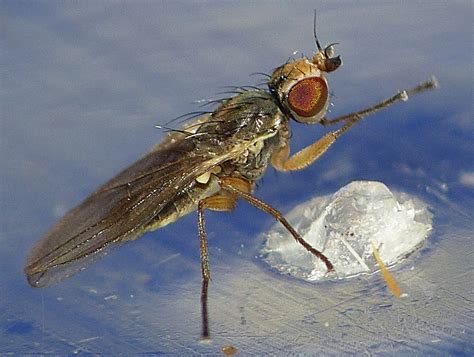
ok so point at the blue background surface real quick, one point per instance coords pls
(84, 83)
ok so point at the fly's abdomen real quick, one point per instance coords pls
(186, 202)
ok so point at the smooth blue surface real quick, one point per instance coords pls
(84, 83)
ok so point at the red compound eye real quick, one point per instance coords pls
(308, 97)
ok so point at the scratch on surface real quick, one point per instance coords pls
(88, 339)
(167, 259)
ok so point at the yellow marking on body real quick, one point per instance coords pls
(256, 147)
(389, 279)
(216, 169)
(204, 178)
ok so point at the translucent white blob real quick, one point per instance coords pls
(344, 225)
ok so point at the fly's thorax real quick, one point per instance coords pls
(254, 160)
(246, 118)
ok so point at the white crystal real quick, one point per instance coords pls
(344, 225)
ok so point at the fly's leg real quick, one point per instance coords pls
(218, 202)
(305, 157)
(389, 279)
(432, 83)
(282, 161)
(233, 185)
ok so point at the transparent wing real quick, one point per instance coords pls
(118, 211)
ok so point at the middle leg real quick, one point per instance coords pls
(222, 201)
(232, 185)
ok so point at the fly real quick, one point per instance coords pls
(210, 163)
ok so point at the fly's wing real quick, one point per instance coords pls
(121, 209)
(118, 211)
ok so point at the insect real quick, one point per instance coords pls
(210, 163)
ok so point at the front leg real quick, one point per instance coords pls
(281, 160)
(403, 96)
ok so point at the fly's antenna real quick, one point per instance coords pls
(329, 49)
(314, 33)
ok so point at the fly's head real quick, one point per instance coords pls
(300, 86)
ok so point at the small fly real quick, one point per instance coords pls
(210, 163)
